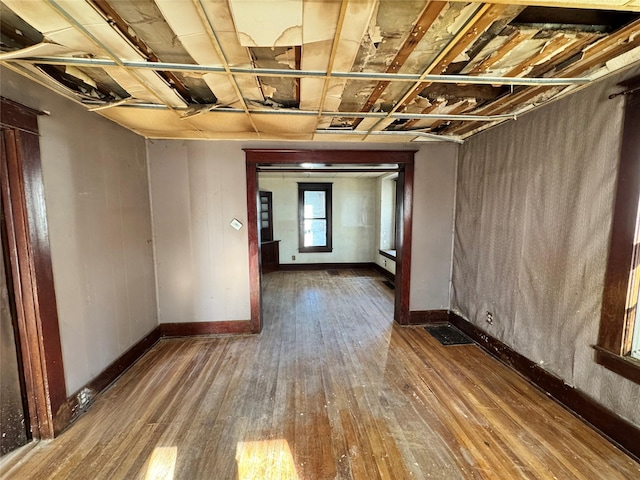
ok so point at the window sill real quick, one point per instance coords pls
(388, 253)
(626, 367)
(314, 249)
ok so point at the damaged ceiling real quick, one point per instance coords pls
(330, 70)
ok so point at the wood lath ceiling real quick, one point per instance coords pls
(331, 70)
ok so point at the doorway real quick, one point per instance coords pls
(27, 262)
(404, 160)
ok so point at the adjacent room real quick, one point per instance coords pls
(304, 239)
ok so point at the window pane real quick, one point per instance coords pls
(314, 204)
(315, 233)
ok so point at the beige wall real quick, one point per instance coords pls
(534, 209)
(198, 187)
(98, 213)
(354, 222)
(202, 263)
(433, 210)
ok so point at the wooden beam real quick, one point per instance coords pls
(621, 5)
(463, 107)
(428, 17)
(550, 48)
(482, 20)
(497, 55)
(429, 109)
(598, 53)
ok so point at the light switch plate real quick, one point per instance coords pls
(237, 224)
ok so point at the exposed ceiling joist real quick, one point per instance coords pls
(363, 70)
(619, 43)
(624, 5)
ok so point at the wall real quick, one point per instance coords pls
(202, 263)
(97, 200)
(386, 217)
(434, 197)
(354, 220)
(202, 268)
(533, 220)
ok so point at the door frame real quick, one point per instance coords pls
(38, 333)
(404, 204)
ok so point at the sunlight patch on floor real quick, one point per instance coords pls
(162, 463)
(265, 459)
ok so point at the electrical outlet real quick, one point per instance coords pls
(489, 318)
(293, 257)
(385, 263)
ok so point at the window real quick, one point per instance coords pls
(618, 347)
(388, 187)
(266, 216)
(314, 214)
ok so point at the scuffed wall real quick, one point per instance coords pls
(202, 263)
(354, 222)
(533, 218)
(97, 199)
(433, 210)
(202, 266)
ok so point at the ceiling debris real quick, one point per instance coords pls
(343, 70)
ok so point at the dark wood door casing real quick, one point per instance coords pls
(405, 161)
(30, 259)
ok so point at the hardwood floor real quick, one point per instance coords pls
(331, 389)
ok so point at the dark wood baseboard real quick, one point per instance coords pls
(297, 267)
(77, 403)
(384, 272)
(300, 267)
(424, 317)
(621, 432)
(188, 329)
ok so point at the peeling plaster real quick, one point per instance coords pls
(80, 75)
(462, 18)
(287, 58)
(268, 90)
(268, 24)
(372, 34)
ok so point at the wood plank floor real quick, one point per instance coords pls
(331, 389)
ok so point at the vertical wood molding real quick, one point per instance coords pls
(25, 211)
(404, 234)
(254, 247)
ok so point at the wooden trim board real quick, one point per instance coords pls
(298, 267)
(428, 317)
(78, 403)
(188, 329)
(30, 266)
